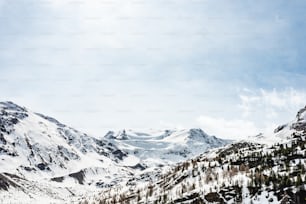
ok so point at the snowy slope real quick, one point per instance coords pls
(41, 150)
(242, 172)
(282, 133)
(35, 146)
(43, 159)
(159, 148)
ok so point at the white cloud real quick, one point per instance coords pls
(230, 129)
(93, 49)
(271, 103)
(261, 111)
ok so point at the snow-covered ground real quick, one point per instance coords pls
(159, 148)
(258, 170)
(57, 163)
(45, 161)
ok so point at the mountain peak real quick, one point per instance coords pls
(300, 123)
(121, 135)
(197, 131)
(301, 115)
(9, 105)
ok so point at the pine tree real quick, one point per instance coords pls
(299, 180)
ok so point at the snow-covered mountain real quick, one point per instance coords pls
(242, 172)
(283, 132)
(160, 148)
(35, 146)
(298, 124)
(36, 150)
(41, 158)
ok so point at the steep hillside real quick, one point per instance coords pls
(34, 145)
(242, 172)
(43, 159)
(39, 151)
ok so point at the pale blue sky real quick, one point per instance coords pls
(233, 68)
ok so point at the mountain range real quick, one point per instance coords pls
(45, 161)
(42, 159)
(252, 171)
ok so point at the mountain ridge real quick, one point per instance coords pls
(245, 172)
(45, 155)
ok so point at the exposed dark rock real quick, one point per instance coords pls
(66, 154)
(189, 198)
(27, 168)
(101, 184)
(50, 119)
(9, 105)
(110, 135)
(43, 166)
(2, 139)
(14, 121)
(279, 128)
(300, 125)
(79, 176)
(214, 198)
(119, 154)
(6, 182)
(8, 152)
(58, 179)
(139, 166)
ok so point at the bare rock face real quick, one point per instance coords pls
(301, 114)
(10, 115)
(280, 128)
(6, 181)
(35, 147)
(300, 124)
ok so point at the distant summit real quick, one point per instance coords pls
(40, 155)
